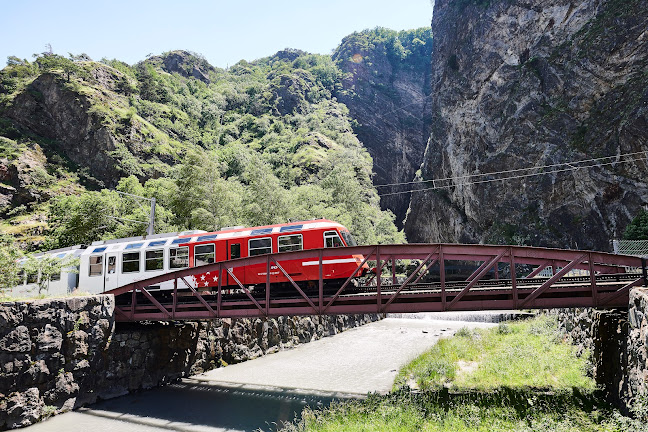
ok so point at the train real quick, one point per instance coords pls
(109, 264)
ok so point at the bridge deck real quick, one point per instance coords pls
(425, 288)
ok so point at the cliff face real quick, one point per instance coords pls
(386, 88)
(48, 109)
(525, 83)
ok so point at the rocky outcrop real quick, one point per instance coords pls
(49, 109)
(184, 63)
(524, 83)
(56, 355)
(386, 88)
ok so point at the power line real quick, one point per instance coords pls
(472, 179)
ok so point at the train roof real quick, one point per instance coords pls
(161, 240)
(268, 229)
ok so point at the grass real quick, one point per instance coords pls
(515, 355)
(516, 377)
(7, 297)
(504, 410)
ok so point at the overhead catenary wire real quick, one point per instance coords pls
(472, 179)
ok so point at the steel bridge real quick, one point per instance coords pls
(439, 277)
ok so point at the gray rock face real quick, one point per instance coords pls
(524, 83)
(388, 98)
(186, 64)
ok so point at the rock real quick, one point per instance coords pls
(184, 63)
(526, 83)
(50, 339)
(22, 409)
(17, 340)
(388, 97)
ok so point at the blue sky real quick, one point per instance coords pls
(223, 31)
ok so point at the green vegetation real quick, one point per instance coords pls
(515, 377)
(638, 228)
(504, 357)
(9, 254)
(404, 49)
(261, 142)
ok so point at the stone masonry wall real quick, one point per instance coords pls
(57, 355)
(617, 341)
(637, 352)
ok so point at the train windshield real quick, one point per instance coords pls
(348, 238)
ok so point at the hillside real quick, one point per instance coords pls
(529, 83)
(262, 142)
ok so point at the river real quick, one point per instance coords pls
(263, 393)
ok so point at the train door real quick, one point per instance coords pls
(233, 252)
(111, 280)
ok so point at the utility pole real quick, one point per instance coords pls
(150, 230)
(151, 227)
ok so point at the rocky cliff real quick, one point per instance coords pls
(525, 83)
(386, 88)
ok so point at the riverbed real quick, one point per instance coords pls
(263, 393)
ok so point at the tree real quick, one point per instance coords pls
(9, 256)
(47, 266)
(638, 228)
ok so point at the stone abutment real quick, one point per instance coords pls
(617, 342)
(60, 354)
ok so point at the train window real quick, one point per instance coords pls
(130, 262)
(203, 254)
(332, 239)
(179, 257)
(154, 260)
(235, 250)
(348, 238)
(261, 231)
(290, 243)
(96, 265)
(133, 246)
(156, 243)
(207, 237)
(32, 278)
(260, 246)
(55, 277)
(290, 228)
(112, 265)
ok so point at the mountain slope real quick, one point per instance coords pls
(175, 123)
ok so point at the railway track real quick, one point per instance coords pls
(452, 288)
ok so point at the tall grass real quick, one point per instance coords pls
(526, 354)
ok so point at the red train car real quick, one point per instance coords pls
(239, 242)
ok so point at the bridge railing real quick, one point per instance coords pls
(497, 277)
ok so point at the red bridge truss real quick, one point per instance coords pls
(437, 277)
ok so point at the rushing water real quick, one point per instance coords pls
(264, 393)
